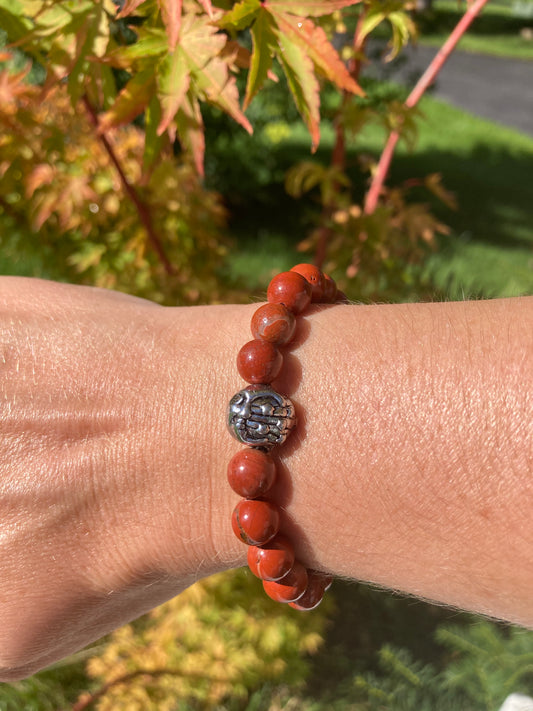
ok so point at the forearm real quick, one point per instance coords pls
(412, 464)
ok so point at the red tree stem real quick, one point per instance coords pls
(338, 157)
(427, 78)
(142, 209)
(354, 67)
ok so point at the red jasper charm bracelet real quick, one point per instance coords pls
(261, 418)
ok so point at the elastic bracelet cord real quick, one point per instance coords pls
(262, 419)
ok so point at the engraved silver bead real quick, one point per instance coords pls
(260, 417)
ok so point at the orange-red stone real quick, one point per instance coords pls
(290, 588)
(330, 289)
(251, 472)
(273, 560)
(255, 522)
(273, 323)
(317, 585)
(341, 298)
(259, 362)
(315, 277)
(290, 289)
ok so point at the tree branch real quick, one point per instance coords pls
(338, 157)
(372, 196)
(89, 699)
(142, 209)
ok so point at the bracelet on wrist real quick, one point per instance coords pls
(262, 419)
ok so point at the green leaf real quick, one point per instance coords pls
(371, 20)
(403, 26)
(152, 42)
(303, 177)
(309, 8)
(433, 183)
(16, 27)
(153, 142)
(314, 42)
(101, 88)
(303, 84)
(13, 7)
(354, 117)
(403, 119)
(91, 39)
(60, 18)
(31, 8)
(89, 255)
(264, 43)
(131, 101)
(242, 15)
(201, 42)
(191, 131)
(172, 79)
(220, 89)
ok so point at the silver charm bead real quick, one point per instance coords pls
(260, 417)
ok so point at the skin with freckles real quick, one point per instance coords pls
(411, 466)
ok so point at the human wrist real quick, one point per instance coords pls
(196, 352)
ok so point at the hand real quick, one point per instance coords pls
(105, 507)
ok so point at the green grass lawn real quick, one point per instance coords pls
(497, 31)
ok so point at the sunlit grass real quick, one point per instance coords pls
(496, 32)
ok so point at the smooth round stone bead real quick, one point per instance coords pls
(255, 522)
(315, 277)
(259, 362)
(273, 323)
(290, 588)
(251, 472)
(317, 585)
(341, 298)
(290, 289)
(273, 560)
(330, 289)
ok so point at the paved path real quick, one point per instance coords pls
(497, 89)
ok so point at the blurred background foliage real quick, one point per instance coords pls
(127, 162)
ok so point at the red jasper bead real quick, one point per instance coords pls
(273, 560)
(251, 472)
(315, 277)
(341, 298)
(330, 289)
(255, 522)
(317, 585)
(290, 289)
(289, 588)
(259, 362)
(273, 323)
